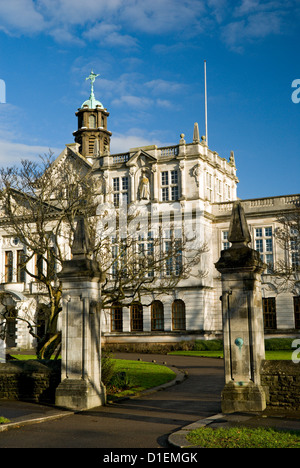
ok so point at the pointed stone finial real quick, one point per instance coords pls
(232, 159)
(81, 247)
(196, 137)
(238, 231)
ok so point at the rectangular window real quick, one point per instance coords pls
(295, 250)
(124, 184)
(268, 232)
(169, 184)
(114, 252)
(8, 266)
(136, 317)
(269, 312)
(116, 318)
(116, 184)
(219, 191)
(165, 178)
(297, 311)
(209, 186)
(21, 258)
(165, 193)
(174, 177)
(120, 190)
(225, 242)
(259, 245)
(264, 245)
(145, 254)
(269, 245)
(173, 254)
(174, 191)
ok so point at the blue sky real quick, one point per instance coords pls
(150, 56)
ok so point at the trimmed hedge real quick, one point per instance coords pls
(208, 345)
(271, 344)
(279, 344)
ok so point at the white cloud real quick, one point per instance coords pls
(12, 153)
(122, 143)
(133, 101)
(20, 16)
(121, 23)
(116, 18)
(164, 86)
(254, 27)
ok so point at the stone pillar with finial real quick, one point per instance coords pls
(81, 387)
(243, 330)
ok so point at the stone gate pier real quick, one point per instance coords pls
(81, 386)
(243, 328)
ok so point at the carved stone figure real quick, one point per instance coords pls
(144, 188)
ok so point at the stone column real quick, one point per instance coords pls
(81, 387)
(243, 329)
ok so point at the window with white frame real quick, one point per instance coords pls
(227, 192)
(172, 251)
(225, 241)
(295, 249)
(120, 191)
(145, 254)
(209, 187)
(263, 243)
(219, 188)
(169, 185)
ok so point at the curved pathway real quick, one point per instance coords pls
(143, 422)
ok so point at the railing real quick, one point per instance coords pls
(168, 151)
(120, 158)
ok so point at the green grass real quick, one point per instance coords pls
(4, 420)
(270, 355)
(242, 437)
(141, 376)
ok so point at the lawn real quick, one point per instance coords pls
(139, 376)
(136, 376)
(242, 437)
(270, 355)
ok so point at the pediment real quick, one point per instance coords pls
(70, 155)
(141, 158)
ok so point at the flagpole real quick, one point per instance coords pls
(205, 90)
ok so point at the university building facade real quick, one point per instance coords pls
(195, 179)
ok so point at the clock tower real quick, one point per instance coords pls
(92, 134)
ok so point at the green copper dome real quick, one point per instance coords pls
(92, 102)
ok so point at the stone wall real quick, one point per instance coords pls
(29, 380)
(283, 381)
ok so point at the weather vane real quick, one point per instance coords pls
(92, 78)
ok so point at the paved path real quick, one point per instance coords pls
(152, 421)
(145, 422)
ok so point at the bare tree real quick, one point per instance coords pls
(41, 204)
(287, 268)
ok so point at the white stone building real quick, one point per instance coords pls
(198, 181)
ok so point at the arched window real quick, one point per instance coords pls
(178, 315)
(157, 316)
(117, 318)
(92, 121)
(136, 311)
